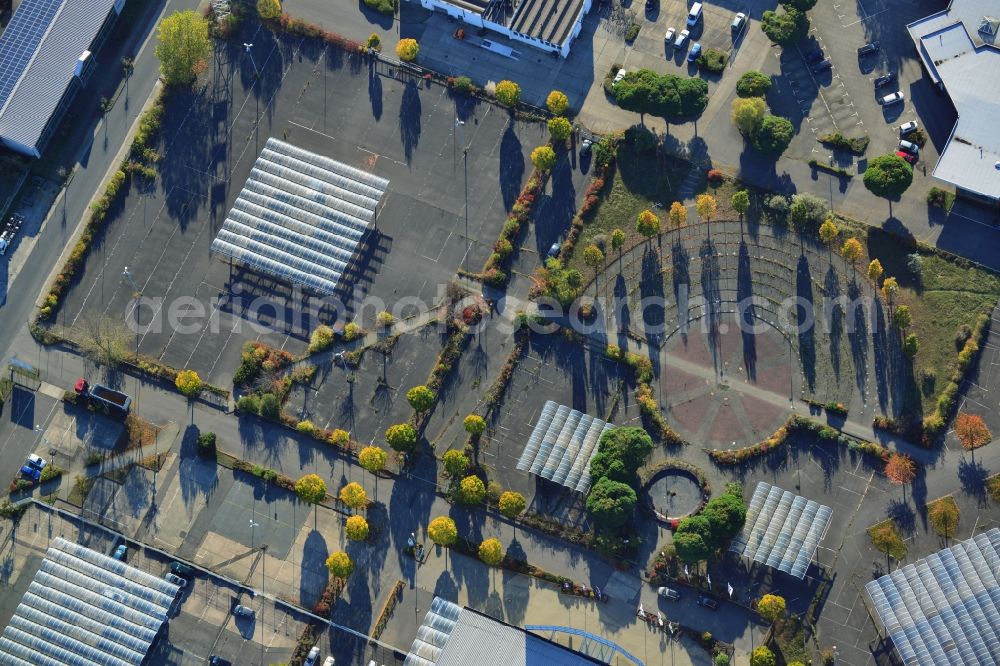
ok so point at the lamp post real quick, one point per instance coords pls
(136, 295)
(256, 78)
(465, 168)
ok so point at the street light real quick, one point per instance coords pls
(252, 526)
(256, 78)
(465, 167)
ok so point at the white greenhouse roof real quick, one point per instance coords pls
(782, 530)
(942, 610)
(300, 217)
(85, 608)
(561, 446)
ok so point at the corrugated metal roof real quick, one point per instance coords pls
(562, 445)
(57, 34)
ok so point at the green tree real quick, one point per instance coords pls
(407, 49)
(184, 47)
(353, 495)
(560, 129)
(268, 9)
(747, 114)
(491, 552)
(786, 27)
(620, 454)
(474, 424)
(762, 656)
(852, 250)
(773, 135)
(801, 5)
(647, 224)
(340, 564)
(401, 437)
(544, 158)
(753, 84)
(807, 210)
(706, 206)
(372, 458)
(455, 463)
(356, 528)
(828, 233)
(508, 93)
(189, 383)
(594, 258)
(645, 91)
(678, 214)
(512, 504)
(471, 490)
(420, 398)
(726, 514)
(888, 176)
(771, 607)
(875, 271)
(442, 531)
(611, 504)
(311, 489)
(617, 241)
(902, 318)
(557, 102)
(911, 345)
(691, 547)
(740, 201)
(701, 525)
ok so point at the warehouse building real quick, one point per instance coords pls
(46, 57)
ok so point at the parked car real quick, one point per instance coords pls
(885, 79)
(216, 660)
(121, 552)
(708, 602)
(869, 48)
(909, 147)
(618, 77)
(912, 159)
(176, 580)
(892, 98)
(669, 593)
(695, 52)
(33, 466)
(311, 658)
(181, 569)
(694, 15)
(907, 128)
(669, 37)
(682, 38)
(739, 21)
(243, 611)
(329, 661)
(814, 56)
(822, 66)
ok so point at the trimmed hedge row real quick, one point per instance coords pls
(495, 269)
(642, 372)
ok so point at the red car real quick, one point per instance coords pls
(912, 159)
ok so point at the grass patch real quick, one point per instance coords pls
(713, 60)
(886, 538)
(829, 168)
(81, 488)
(119, 474)
(993, 487)
(857, 145)
(790, 641)
(940, 198)
(944, 516)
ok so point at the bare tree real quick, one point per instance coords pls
(105, 339)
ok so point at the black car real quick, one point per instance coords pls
(868, 49)
(216, 660)
(822, 65)
(885, 80)
(814, 56)
(181, 569)
(708, 602)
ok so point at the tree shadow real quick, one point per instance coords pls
(409, 119)
(804, 321)
(680, 261)
(972, 475)
(711, 292)
(880, 347)
(554, 209)
(375, 92)
(831, 289)
(651, 292)
(903, 515)
(511, 167)
(747, 311)
(313, 574)
(857, 335)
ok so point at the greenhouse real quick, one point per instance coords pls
(561, 446)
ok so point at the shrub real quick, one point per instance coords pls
(385, 319)
(753, 84)
(508, 93)
(270, 406)
(401, 437)
(475, 425)
(352, 332)
(374, 42)
(188, 383)
(340, 564)
(856, 145)
(206, 445)
(268, 9)
(807, 211)
(249, 404)
(383, 6)
(339, 437)
(321, 338)
(491, 552)
(372, 458)
(407, 49)
(464, 85)
(560, 129)
(442, 531)
(511, 504)
(632, 32)
(557, 102)
(940, 198)
(713, 60)
(762, 656)
(356, 528)
(471, 490)
(306, 427)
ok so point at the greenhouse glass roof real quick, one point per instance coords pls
(942, 609)
(300, 217)
(86, 608)
(561, 446)
(782, 530)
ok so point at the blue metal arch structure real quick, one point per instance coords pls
(587, 635)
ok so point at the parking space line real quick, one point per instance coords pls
(868, 16)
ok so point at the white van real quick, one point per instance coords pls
(695, 14)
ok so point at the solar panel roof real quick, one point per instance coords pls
(21, 38)
(782, 529)
(300, 217)
(82, 608)
(561, 446)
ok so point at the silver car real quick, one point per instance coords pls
(669, 593)
(892, 98)
(908, 128)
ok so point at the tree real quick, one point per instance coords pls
(105, 340)
(647, 224)
(888, 176)
(339, 564)
(374, 42)
(188, 383)
(762, 656)
(773, 135)
(544, 158)
(560, 129)
(828, 233)
(706, 206)
(678, 214)
(611, 504)
(455, 463)
(491, 552)
(339, 437)
(890, 289)
(807, 210)
(620, 454)
(593, 257)
(557, 102)
(726, 515)
(508, 93)
(740, 201)
(886, 539)
(401, 437)
(785, 28)
(356, 528)
(972, 431)
(911, 345)
(353, 495)
(753, 84)
(747, 114)
(407, 49)
(442, 531)
(902, 318)
(852, 250)
(900, 470)
(691, 548)
(268, 9)
(474, 424)
(471, 490)
(875, 271)
(184, 47)
(943, 516)
(420, 398)
(771, 607)
(512, 504)
(618, 241)
(311, 489)
(801, 5)
(372, 458)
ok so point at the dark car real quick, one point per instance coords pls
(822, 65)
(814, 56)
(216, 660)
(885, 80)
(181, 569)
(650, 4)
(709, 603)
(868, 49)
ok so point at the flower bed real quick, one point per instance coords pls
(780, 437)
(499, 388)
(642, 372)
(495, 269)
(395, 594)
(651, 474)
